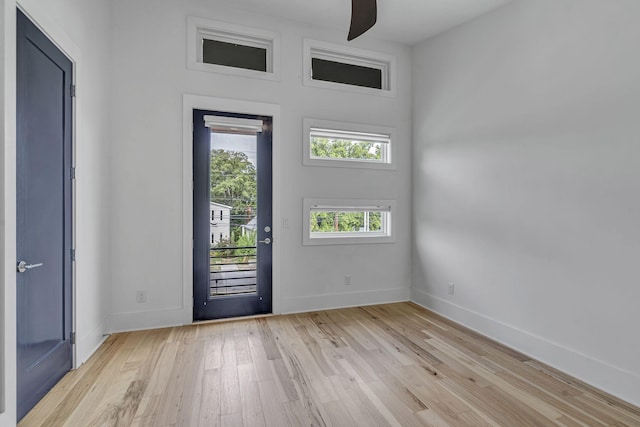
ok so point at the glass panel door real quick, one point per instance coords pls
(232, 215)
(234, 210)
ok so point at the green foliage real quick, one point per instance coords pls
(247, 239)
(220, 249)
(233, 183)
(326, 222)
(345, 149)
(222, 253)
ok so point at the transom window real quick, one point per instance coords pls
(234, 54)
(232, 49)
(341, 70)
(334, 66)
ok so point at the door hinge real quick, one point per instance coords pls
(73, 254)
(73, 173)
(73, 91)
(73, 338)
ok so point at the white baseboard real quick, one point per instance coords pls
(136, 321)
(141, 320)
(343, 300)
(604, 376)
(89, 343)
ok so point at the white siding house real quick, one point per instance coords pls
(220, 222)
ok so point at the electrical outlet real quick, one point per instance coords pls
(347, 280)
(141, 296)
(452, 289)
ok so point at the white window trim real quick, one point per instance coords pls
(388, 236)
(349, 55)
(197, 28)
(191, 102)
(307, 160)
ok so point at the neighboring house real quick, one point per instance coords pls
(250, 226)
(220, 221)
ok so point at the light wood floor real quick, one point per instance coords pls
(389, 365)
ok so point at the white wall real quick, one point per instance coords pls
(81, 30)
(526, 178)
(150, 76)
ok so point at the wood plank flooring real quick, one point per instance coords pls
(387, 365)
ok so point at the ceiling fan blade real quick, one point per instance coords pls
(363, 16)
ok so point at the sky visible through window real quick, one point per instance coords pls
(235, 142)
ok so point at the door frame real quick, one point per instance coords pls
(189, 103)
(58, 37)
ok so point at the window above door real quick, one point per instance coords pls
(220, 47)
(333, 66)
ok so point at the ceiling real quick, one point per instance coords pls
(403, 21)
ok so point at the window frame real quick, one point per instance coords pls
(357, 128)
(200, 28)
(312, 239)
(349, 55)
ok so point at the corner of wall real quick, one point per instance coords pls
(152, 319)
(600, 374)
(89, 343)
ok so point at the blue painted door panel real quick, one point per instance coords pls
(44, 140)
(207, 306)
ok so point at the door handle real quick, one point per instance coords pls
(23, 266)
(266, 241)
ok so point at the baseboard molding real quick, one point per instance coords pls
(152, 319)
(88, 343)
(604, 376)
(343, 300)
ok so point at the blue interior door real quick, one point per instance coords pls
(232, 214)
(43, 215)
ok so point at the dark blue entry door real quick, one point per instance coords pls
(232, 214)
(44, 267)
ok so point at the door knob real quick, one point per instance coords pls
(266, 241)
(23, 266)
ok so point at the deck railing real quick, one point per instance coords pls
(232, 270)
